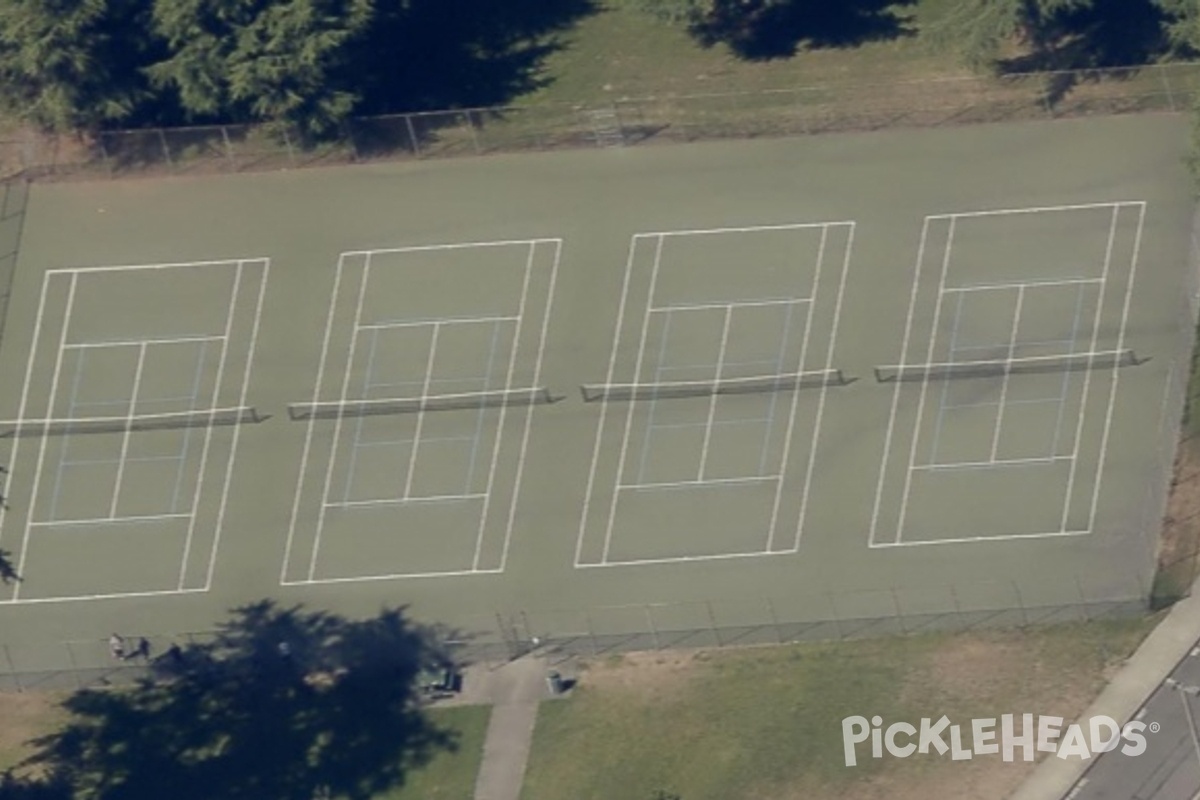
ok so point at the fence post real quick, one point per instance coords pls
(775, 621)
(412, 135)
(471, 129)
(1020, 603)
(837, 625)
(712, 620)
(957, 607)
(228, 146)
(899, 612)
(1083, 603)
(1162, 72)
(287, 142)
(74, 665)
(162, 138)
(591, 630)
(653, 628)
(12, 668)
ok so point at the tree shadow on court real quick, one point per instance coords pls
(432, 55)
(282, 703)
(758, 30)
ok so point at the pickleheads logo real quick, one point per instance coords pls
(1099, 734)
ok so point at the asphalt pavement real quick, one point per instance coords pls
(1169, 769)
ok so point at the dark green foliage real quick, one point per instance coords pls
(261, 61)
(284, 704)
(762, 29)
(70, 66)
(1056, 34)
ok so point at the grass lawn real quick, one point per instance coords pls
(450, 776)
(765, 723)
(622, 51)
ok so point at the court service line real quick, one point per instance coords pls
(1035, 284)
(781, 301)
(817, 422)
(999, 462)
(1006, 537)
(537, 376)
(214, 400)
(481, 414)
(137, 388)
(637, 374)
(304, 456)
(1087, 377)
(933, 335)
(682, 559)
(112, 520)
(424, 248)
(943, 406)
(612, 367)
(1012, 349)
(41, 459)
(237, 429)
(637, 487)
(712, 401)
(393, 576)
(658, 378)
(417, 323)
(92, 597)
(508, 384)
(748, 229)
(802, 360)
(1112, 392)
(137, 267)
(197, 378)
(1034, 209)
(400, 501)
(778, 367)
(416, 446)
(891, 426)
(1066, 381)
(337, 424)
(131, 342)
(37, 331)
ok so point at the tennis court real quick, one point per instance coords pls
(568, 381)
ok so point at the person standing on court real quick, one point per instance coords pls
(116, 647)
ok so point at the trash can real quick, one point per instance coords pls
(554, 681)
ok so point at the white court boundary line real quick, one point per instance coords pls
(1116, 207)
(35, 347)
(532, 245)
(652, 308)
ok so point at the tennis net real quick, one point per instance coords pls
(1100, 359)
(140, 422)
(756, 384)
(498, 398)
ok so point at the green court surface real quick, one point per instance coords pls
(901, 374)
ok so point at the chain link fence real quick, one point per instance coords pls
(622, 121)
(604, 630)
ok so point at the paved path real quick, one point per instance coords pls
(515, 690)
(1162, 652)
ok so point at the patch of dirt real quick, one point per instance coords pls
(26, 716)
(1179, 544)
(653, 673)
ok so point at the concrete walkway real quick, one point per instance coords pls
(1160, 653)
(515, 691)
